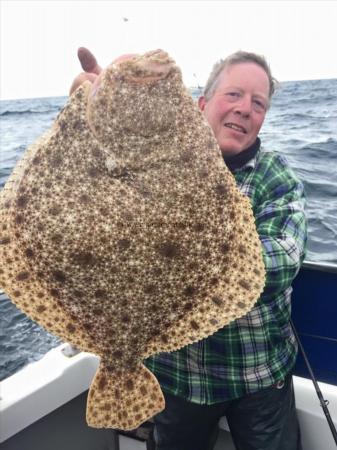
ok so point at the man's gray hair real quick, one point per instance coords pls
(237, 58)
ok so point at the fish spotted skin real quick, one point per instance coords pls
(123, 233)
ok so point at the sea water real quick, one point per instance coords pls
(301, 124)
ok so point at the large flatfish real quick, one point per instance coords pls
(123, 233)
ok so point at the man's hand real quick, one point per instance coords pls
(90, 67)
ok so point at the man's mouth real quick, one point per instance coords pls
(236, 127)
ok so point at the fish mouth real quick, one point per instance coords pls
(236, 127)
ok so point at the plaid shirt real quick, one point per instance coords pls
(259, 349)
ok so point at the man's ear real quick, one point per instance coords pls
(201, 103)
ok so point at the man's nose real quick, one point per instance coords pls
(244, 106)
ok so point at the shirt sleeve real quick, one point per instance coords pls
(281, 224)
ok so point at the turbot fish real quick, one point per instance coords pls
(123, 232)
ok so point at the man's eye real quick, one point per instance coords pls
(232, 96)
(260, 105)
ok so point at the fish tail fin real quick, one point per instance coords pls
(123, 399)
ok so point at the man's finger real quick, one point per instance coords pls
(81, 79)
(88, 61)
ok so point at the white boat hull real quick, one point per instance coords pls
(44, 386)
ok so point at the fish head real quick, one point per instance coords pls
(137, 95)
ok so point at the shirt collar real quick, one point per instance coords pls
(246, 158)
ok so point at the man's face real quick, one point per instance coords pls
(238, 106)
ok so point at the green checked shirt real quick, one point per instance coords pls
(259, 349)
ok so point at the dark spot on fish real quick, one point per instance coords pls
(188, 198)
(164, 338)
(16, 294)
(106, 407)
(130, 279)
(29, 253)
(83, 258)
(96, 152)
(41, 309)
(36, 161)
(147, 375)
(97, 311)
(55, 162)
(217, 300)
(193, 266)
(198, 227)
(71, 328)
(221, 189)
(117, 354)
(224, 248)
(189, 291)
(150, 289)
(242, 249)
(78, 125)
(85, 199)
(59, 276)
(143, 390)
(22, 201)
(104, 211)
(214, 281)
(56, 238)
(186, 157)
(22, 276)
(19, 219)
(5, 241)
(157, 271)
(87, 326)
(194, 325)
(123, 244)
(93, 172)
(203, 173)
(188, 306)
(129, 384)
(169, 249)
(256, 271)
(55, 210)
(100, 293)
(241, 305)
(210, 145)
(125, 318)
(244, 284)
(102, 383)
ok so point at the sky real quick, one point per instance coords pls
(39, 39)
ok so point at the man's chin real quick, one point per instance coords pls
(230, 147)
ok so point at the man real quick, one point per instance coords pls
(243, 371)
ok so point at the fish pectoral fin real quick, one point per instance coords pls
(123, 399)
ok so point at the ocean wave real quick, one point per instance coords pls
(26, 112)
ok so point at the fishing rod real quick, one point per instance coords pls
(324, 403)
